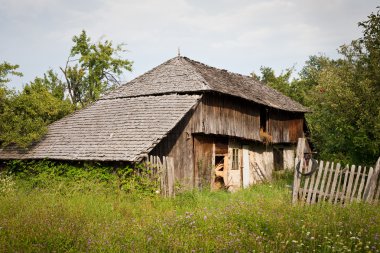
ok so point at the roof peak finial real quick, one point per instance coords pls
(179, 52)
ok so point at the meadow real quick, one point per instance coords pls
(47, 207)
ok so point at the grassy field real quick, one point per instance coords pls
(89, 215)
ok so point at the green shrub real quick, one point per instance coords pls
(7, 184)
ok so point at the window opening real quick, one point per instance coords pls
(235, 159)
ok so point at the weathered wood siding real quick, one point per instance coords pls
(203, 146)
(285, 127)
(229, 116)
(220, 115)
(179, 145)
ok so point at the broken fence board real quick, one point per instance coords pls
(322, 186)
(320, 171)
(311, 186)
(349, 184)
(306, 183)
(354, 189)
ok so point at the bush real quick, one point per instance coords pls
(67, 177)
(7, 184)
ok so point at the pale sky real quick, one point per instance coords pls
(237, 35)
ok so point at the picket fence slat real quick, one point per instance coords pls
(327, 189)
(304, 191)
(361, 187)
(356, 183)
(322, 186)
(312, 181)
(320, 171)
(349, 184)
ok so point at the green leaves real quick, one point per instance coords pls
(344, 96)
(92, 69)
(7, 69)
(26, 115)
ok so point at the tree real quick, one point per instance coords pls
(7, 69)
(345, 99)
(343, 95)
(26, 115)
(91, 69)
(282, 83)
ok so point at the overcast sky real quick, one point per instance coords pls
(237, 35)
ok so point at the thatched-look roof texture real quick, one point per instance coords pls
(127, 123)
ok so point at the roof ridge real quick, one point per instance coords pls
(208, 66)
(137, 78)
(205, 84)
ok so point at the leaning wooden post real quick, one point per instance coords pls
(372, 181)
(297, 176)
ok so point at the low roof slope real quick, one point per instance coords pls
(118, 129)
(183, 75)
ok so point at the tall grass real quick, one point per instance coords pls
(67, 217)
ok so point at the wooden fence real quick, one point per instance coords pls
(164, 168)
(333, 182)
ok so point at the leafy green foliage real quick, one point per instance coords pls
(7, 69)
(92, 69)
(25, 118)
(346, 100)
(344, 96)
(136, 180)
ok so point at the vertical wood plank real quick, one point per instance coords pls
(173, 173)
(297, 176)
(354, 189)
(322, 186)
(312, 183)
(212, 166)
(362, 183)
(328, 184)
(333, 190)
(367, 184)
(343, 193)
(316, 186)
(370, 191)
(377, 195)
(340, 187)
(170, 169)
(349, 185)
(306, 184)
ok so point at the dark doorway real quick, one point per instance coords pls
(278, 158)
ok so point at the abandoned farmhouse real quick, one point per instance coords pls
(220, 128)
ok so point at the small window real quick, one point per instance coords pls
(235, 159)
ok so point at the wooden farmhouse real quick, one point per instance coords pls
(220, 128)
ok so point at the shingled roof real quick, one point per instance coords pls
(125, 124)
(183, 75)
(122, 129)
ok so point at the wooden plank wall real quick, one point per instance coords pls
(164, 168)
(221, 115)
(285, 126)
(229, 116)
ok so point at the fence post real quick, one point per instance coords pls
(372, 182)
(297, 176)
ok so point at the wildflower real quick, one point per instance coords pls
(205, 217)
